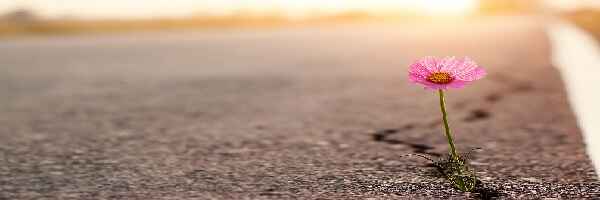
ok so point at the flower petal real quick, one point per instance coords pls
(429, 63)
(462, 72)
(430, 85)
(467, 70)
(418, 73)
(422, 68)
(448, 64)
(457, 84)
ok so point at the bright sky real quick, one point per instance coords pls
(571, 4)
(154, 8)
(177, 8)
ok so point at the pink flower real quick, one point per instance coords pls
(448, 72)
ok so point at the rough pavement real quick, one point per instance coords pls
(300, 113)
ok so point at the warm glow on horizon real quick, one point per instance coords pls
(448, 7)
(179, 8)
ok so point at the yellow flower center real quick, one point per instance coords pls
(440, 78)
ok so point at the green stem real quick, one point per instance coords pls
(446, 126)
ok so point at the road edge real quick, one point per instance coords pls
(576, 54)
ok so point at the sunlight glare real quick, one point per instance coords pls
(448, 7)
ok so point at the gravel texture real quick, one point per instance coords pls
(300, 113)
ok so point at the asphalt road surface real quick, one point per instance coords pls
(294, 113)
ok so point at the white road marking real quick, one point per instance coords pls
(577, 55)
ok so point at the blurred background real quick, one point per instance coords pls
(122, 93)
(41, 17)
